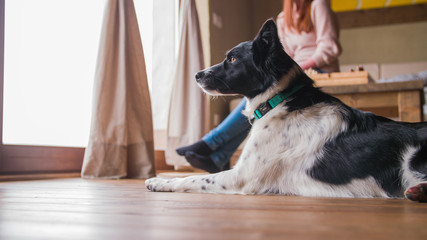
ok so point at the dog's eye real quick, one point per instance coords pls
(233, 59)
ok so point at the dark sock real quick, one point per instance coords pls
(201, 162)
(199, 147)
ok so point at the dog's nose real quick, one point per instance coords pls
(199, 75)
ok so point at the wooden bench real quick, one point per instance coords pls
(401, 101)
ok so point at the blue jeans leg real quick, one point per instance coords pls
(227, 136)
(222, 155)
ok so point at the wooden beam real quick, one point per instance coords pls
(369, 100)
(382, 16)
(409, 104)
(383, 87)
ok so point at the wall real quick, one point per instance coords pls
(230, 23)
(263, 10)
(385, 44)
(203, 12)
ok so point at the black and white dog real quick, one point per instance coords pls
(304, 141)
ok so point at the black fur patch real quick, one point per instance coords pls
(373, 146)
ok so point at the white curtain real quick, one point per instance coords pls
(121, 138)
(163, 59)
(186, 114)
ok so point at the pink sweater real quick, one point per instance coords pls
(320, 46)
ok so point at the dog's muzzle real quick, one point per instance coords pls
(199, 76)
(203, 79)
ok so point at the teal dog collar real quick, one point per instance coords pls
(265, 107)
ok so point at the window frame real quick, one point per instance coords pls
(27, 159)
(20, 159)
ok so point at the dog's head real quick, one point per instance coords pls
(250, 67)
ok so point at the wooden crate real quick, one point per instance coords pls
(340, 78)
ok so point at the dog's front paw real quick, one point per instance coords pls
(159, 185)
(417, 193)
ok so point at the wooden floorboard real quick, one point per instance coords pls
(123, 209)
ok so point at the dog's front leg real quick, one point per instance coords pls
(222, 182)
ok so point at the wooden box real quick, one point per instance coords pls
(340, 78)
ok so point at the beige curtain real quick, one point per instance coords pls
(121, 138)
(186, 114)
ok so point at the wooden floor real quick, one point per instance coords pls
(123, 209)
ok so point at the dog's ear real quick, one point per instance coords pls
(267, 34)
(266, 40)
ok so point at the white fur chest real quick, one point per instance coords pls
(295, 138)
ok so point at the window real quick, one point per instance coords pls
(50, 51)
(49, 64)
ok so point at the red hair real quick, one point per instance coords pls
(303, 23)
